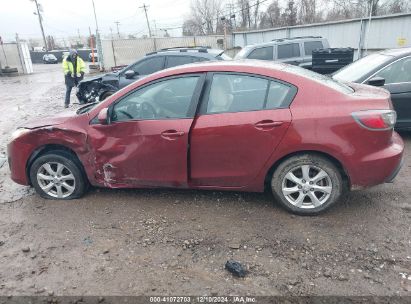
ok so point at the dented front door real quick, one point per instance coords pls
(141, 153)
(146, 143)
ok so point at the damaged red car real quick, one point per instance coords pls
(242, 126)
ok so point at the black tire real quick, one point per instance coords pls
(105, 95)
(71, 163)
(315, 163)
(9, 70)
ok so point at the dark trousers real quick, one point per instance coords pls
(68, 92)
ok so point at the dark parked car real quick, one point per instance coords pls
(223, 125)
(390, 69)
(100, 87)
(50, 58)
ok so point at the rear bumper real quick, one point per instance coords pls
(379, 166)
(394, 174)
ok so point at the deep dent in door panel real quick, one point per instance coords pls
(124, 156)
(107, 154)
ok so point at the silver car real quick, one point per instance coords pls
(296, 51)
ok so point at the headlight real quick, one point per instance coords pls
(19, 132)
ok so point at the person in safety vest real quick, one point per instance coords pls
(73, 67)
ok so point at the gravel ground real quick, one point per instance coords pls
(151, 242)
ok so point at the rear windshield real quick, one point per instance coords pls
(223, 57)
(324, 80)
(359, 68)
(241, 54)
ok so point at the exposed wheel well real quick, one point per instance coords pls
(335, 161)
(47, 149)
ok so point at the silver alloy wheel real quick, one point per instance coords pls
(56, 180)
(307, 186)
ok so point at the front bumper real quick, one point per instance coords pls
(18, 155)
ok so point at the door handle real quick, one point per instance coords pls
(171, 134)
(268, 124)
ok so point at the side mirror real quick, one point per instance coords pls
(102, 117)
(129, 74)
(376, 81)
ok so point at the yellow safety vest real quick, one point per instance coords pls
(68, 66)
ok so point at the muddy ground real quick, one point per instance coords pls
(164, 242)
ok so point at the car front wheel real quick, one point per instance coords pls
(57, 175)
(307, 184)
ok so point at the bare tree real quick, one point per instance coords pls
(272, 16)
(290, 14)
(205, 14)
(308, 11)
(204, 17)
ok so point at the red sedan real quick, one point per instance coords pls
(243, 126)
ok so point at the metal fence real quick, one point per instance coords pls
(16, 55)
(125, 51)
(383, 32)
(37, 57)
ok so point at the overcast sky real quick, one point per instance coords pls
(64, 18)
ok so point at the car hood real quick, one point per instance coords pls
(99, 77)
(91, 78)
(49, 120)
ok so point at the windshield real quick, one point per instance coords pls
(223, 56)
(361, 67)
(87, 108)
(241, 54)
(324, 80)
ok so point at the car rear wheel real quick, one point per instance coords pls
(57, 175)
(307, 184)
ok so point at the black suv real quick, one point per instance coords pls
(100, 87)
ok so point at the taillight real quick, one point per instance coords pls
(376, 119)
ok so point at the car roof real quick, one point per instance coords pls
(286, 40)
(190, 51)
(397, 52)
(258, 67)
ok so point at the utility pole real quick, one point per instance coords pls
(38, 9)
(111, 32)
(155, 28)
(79, 36)
(98, 42)
(91, 45)
(145, 7)
(118, 30)
(224, 20)
(95, 16)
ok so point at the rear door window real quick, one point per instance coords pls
(310, 46)
(264, 53)
(397, 72)
(289, 50)
(149, 66)
(240, 93)
(173, 61)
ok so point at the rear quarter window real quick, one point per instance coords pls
(310, 46)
